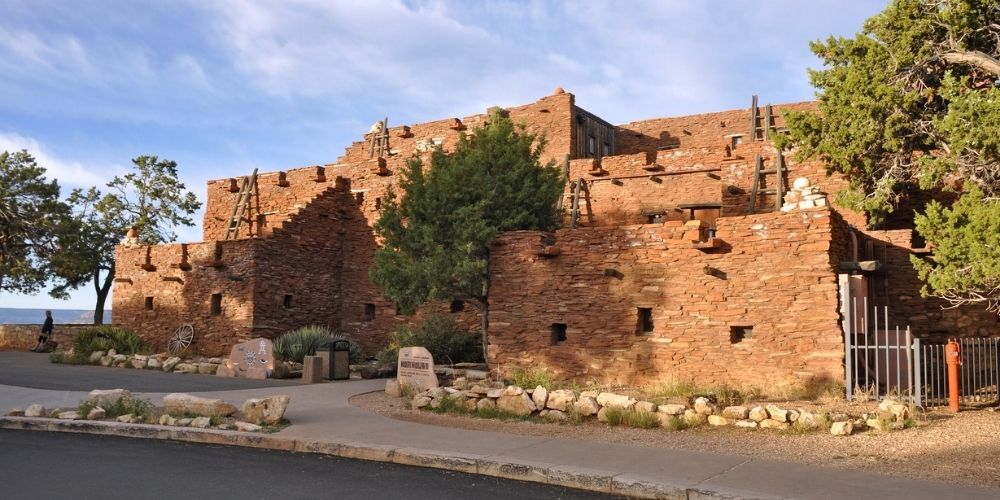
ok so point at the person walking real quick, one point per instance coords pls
(43, 339)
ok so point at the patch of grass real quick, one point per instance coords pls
(822, 389)
(122, 406)
(723, 395)
(104, 338)
(630, 417)
(271, 429)
(498, 414)
(407, 391)
(676, 423)
(529, 379)
(67, 358)
(448, 405)
(85, 407)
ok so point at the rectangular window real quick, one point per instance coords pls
(644, 325)
(558, 333)
(288, 301)
(369, 312)
(149, 303)
(738, 334)
(591, 146)
(216, 304)
(457, 306)
(378, 203)
(359, 197)
(736, 140)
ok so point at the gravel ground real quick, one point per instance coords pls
(962, 448)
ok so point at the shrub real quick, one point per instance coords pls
(441, 336)
(301, 342)
(122, 406)
(104, 338)
(630, 417)
(532, 378)
(676, 423)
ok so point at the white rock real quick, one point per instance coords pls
(180, 404)
(602, 414)
(692, 417)
(96, 356)
(70, 415)
(35, 411)
(775, 413)
(758, 414)
(717, 420)
(201, 423)
(645, 407)
(167, 420)
(540, 396)
(513, 390)
(486, 403)
(392, 388)
(107, 360)
(561, 400)
(171, 363)
(555, 415)
(268, 410)
(800, 183)
(184, 422)
(615, 400)
(247, 427)
(671, 409)
(97, 413)
(154, 364)
(703, 406)
(186, 368)
(842, 428)
(107, 398)
(139, 362)
(749, 424)
(736, 412)
(518, 404)
(774, 424)
(494, 393)
(421, 401)
(586, 406)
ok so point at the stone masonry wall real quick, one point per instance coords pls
(25, 337)
(772, 274)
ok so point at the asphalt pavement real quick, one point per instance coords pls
(76, 466)
(34, 370)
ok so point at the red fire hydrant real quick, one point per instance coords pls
(953, 359)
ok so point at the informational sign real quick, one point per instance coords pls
(416, 367)
(252, 359)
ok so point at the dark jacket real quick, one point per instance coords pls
(47, 327)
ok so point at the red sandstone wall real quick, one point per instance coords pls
(774, 274)
(189, 299)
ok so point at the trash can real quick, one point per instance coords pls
(336, 354)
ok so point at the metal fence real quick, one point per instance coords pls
(885, 361)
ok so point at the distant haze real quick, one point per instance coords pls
(10, 316)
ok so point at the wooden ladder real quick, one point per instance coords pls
(580, 190)
(378, 143)
(758, 180)
(756, 127)
(247, 189)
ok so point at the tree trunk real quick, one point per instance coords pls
(974, 58)
(102, 293)
(484, 315)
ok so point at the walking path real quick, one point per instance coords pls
(323, 421)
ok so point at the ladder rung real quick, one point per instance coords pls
(773, 171)
(767, 191)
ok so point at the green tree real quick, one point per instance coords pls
(30, 213)
(149, 198)
(437, 236)
(912, 102)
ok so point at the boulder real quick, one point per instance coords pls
(615, 400)
(225, 371)
(154, 364)
(586, 406)
(518, 404)
(486, 403)
(556, 415)
(139, 362)
(119, 358)
(167, 420)
(69, 415)
(170, 363)
(561, 400)
(421, 401)
(675, 410)
(34, 411)
(588, 394)
(470, 404)
(692, 417)
(704, 406)
(107, 360)
(54, 412)
(95, 357)
(602, 414)
(186, 368)
(512, 390)
(775, 413)
(247, 427)
(15, 412)
(747, 424)
(201, 423)
(392, 388)
(226, 427)
(112, 352)
(107, 398)
(184, 422)
(97, 413)
(540, 396)
(842, 428)
(774, 424)
(808, 420)
(207, 368)
(494, 393)
(667, 420)
(645, 407)
(717, 420)
(793, 415)
(268, 410)
(180, 404)
(736, 412)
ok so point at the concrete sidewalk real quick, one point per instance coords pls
(324, 422)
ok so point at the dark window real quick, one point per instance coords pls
(607, 149)
(218, 251)
(558, 333)
(645, 323)
(369, 312)
(655, 218)
(738, 334)
(149, 303)
(457, 306)
(736, 140)
(216, 304)
(378, 203)
(359, 197)
(591, 146)
(288, 301)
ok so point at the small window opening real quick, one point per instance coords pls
(378, 203)
(736, 140)
(591, 146)
(558, 333)
(607, 149)
(645, 322)
(288, 301)
(218, 251)
(149, 303)
(359, 198)
(457, 306)
(655, 218)
(738, 334)
(216, 304)
(369, 312)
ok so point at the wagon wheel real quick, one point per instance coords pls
(181, 340)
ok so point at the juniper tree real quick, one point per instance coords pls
(912, 101)
(437, 233)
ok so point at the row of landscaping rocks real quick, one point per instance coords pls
(175, 364)
(557, 405)
(181, 410)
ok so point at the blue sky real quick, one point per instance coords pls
(225, 86)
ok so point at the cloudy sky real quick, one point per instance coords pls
(225, 86)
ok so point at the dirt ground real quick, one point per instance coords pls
(962, 448)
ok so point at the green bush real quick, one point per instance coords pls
(104, 338)
(529, 379)
(302, 342)
(631, 418)
(122, 406)
(441, 336)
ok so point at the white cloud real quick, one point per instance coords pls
(67, 172)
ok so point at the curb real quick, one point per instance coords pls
(557, 475)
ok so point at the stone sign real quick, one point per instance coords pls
(250, 359)
(416, 367)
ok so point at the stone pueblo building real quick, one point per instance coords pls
(693, 250)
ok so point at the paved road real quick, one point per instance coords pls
(29, 369)
(74, 466)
